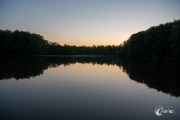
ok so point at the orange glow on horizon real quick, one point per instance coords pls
(88, 41)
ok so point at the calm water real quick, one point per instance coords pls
(59, 88)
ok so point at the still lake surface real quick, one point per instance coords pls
(93, 88)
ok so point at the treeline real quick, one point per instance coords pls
(157, 43)
(57, 49)
(26, 43)
(22, 43)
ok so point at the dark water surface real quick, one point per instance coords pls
(87, 88)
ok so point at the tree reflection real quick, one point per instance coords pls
(20, 67)
(161, 76)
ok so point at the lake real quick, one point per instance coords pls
(87, 88)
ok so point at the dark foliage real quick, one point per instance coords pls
(21, 43)
(25, 43)
(157, 43)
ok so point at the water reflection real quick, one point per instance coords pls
(160, 76)
(19, 67)
(26, 67)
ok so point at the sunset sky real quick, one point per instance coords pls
(86, 22)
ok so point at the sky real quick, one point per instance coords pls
(86, 22)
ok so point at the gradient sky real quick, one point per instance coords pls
(86, 22)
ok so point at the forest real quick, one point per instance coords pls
(160, 42)
(26, 43)
(156, 43)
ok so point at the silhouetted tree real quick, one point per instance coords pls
(21, 43)
(26, 43)
(157, 43)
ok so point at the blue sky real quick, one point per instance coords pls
(86, 22)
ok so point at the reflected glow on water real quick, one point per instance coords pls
(82, 91)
